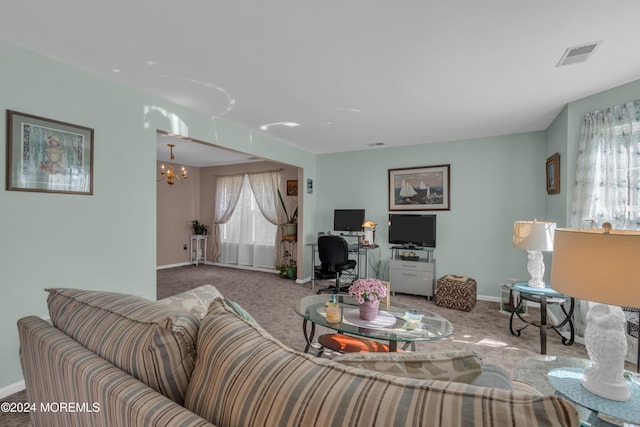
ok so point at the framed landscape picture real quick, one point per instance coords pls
(419, 189)
(45, 155)
(553, 174)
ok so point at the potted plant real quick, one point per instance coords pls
(368, 293)
(289, 268)
(290, 225)
(198, 227)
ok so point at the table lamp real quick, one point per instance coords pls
(369, 232)
(534, 236)
(601, 266)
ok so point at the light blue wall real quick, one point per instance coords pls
(494, 182)
(557, 137)
(106, 241)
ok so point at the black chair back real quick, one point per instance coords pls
(332, 251)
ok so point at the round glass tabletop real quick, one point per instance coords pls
(394, 323)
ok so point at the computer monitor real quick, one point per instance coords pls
(348, 219)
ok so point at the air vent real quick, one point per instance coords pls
(577, 54)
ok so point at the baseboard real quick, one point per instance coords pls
(11, 389)
(487, 298)
(180, 264)
(243, 267)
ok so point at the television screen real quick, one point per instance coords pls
(348, 219)
(412, 230)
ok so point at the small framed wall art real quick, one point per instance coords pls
(45, 155)
(292, 187)
(553, 174)
(419, 189)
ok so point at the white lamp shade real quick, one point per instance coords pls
(597, 266)
(534, 235)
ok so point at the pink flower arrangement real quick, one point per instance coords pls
(368, 290)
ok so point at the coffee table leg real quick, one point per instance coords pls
(308, 336)
(393, 346)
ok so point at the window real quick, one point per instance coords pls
(607, 187)
(247, 238)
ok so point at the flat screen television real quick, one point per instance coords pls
(412, 230)
(348, 219)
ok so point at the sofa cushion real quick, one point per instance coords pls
(152, 342)
(244, 377)
(459, 366)
(196, 301)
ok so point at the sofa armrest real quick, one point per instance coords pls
(58, 370)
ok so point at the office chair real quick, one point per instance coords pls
(334, 260)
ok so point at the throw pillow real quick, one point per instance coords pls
(152, 342)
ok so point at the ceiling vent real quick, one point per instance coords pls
(577, 54)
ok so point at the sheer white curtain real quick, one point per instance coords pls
(227, 194)
(607, 186)
(248, 236)
(265, 190)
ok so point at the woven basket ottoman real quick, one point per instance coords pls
(457, 292)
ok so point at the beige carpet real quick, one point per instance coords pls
(270, 299)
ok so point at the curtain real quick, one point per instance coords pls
(265, 190)
(227, 194)
(247, 238)
(607, 185)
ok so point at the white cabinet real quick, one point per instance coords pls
(414, 277)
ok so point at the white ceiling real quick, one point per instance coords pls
(350, 73)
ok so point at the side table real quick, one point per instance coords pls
(197, 253)
(543, 296)
(533, 371)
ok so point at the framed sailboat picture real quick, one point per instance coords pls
(419, 189)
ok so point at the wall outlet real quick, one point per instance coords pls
(184, 246)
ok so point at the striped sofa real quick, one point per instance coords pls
(120, 360)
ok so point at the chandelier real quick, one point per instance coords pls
(170, 176)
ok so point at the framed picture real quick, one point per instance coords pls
(553, 174)
(47, 155)
(292, 187)
(419, 189)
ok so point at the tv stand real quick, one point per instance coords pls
(412, 270)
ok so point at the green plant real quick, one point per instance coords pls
(289, 267)
(288, 219)
(198, 227)
(288, 271)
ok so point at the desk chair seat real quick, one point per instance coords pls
(333, 252)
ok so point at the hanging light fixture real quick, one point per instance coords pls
(170, 176)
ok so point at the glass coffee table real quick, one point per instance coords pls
(395, 324)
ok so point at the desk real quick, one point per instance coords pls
(540, 296)
(361, 252)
